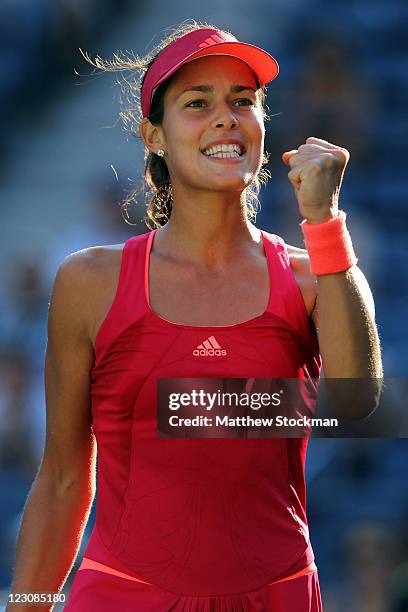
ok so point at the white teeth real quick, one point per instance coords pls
(221, 155)
(231, 150)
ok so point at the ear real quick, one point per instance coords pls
(152, 135)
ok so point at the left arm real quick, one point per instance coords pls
(344, 314)
(342, 309)
(344, 317)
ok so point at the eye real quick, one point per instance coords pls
(196, 104)
(246, 102)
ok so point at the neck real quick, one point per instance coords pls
(209, 229)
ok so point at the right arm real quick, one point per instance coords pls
(58, 505)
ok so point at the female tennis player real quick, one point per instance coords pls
(194, 524)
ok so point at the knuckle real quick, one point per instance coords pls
(345, 154)
(315, 166)
(329, 162)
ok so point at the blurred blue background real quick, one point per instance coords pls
(343, 79)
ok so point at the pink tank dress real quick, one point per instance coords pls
(196, 525)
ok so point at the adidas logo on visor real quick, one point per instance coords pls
(211, 40)
(209, 348)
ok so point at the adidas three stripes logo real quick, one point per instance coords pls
(209, 348)
(211, 40)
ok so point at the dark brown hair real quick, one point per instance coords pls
(156, 173)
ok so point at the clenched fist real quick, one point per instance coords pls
(317, 170)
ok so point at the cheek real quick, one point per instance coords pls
(183, 141)
(256, 129)
(258, 139)
(183, 155)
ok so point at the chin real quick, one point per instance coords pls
(228, 182)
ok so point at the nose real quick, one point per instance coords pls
(225, 118)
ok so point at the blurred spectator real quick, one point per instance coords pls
(106, 223)
(399, 586)
(39, 44)
(399, 575)
(17, 449)
(331, 97)
(326, 96)
(23, 317)
(370, 550)
(25, 34)
(363, 579)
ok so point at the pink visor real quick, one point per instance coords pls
(205, 41)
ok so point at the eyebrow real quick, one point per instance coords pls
(210, 89)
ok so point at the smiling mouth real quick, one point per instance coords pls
(224, 151)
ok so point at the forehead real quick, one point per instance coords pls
(214, 69)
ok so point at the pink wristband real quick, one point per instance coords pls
(329, 245)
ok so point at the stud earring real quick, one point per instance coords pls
(160, 153)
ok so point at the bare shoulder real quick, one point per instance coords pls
(92, 274)
(92, 260)
(90, 269)
(307, 282)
